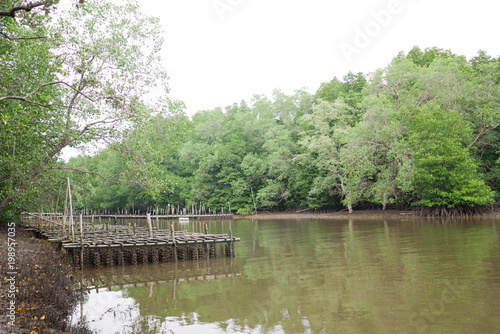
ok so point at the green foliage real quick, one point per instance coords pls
(72, 80)
(379, 142)
(445, 172)
(350, 90)
(423, 131)
(425, 57)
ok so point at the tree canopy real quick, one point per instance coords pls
(84, 76)
(422, 131)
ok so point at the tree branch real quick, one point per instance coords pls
(86, 172)
(20, 38)
(20, 98)
(27, 8)
(27, 96)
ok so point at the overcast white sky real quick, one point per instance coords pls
(218, 52)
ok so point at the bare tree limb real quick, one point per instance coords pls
(86, 172)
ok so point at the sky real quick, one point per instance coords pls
(219, 52)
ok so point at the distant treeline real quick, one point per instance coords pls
(421, 132)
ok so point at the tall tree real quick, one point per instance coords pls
(446, 174)
(94, 67)
(326, 138)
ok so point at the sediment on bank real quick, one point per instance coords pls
(361, 214)
(36, 287)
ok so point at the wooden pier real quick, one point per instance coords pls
(105, 245)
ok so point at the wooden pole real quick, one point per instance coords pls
(57, 202)
(206, 244)
(71, 213)
(65, 216)
(173, 241)
(81, 230)
(52, 216)
(150, 226)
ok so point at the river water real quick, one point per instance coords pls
(312, 276)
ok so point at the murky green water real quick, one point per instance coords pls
(313, 276)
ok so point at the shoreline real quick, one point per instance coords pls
(37, 291)
(361, 214)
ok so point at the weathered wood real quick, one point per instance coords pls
(150, 226)
(104, 247)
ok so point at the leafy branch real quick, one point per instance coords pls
(27, 8)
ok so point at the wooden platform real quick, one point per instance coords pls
(119, 245)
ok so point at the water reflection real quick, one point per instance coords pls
(296, 276)
(133, 299)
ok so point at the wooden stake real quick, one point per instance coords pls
(65, 216)
(81, 230)
(71, 213)
(150, 226)
(173, 240)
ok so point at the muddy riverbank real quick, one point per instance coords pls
(362, 214)
(37, 292)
